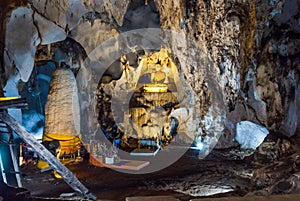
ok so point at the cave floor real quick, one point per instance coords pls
(220, 173)
(109, 184)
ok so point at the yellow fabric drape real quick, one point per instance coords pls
(68, 144)
(64, 140)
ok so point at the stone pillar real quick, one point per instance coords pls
(62, 116)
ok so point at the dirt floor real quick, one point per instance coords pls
(109, 184)
(222, 173)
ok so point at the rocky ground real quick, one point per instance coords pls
(274, 168)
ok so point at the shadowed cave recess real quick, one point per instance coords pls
(152, 100)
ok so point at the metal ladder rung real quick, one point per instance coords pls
(4, 128)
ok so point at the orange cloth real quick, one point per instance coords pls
(159, 76)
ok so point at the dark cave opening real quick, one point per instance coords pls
(140, 15)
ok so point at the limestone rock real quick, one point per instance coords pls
(91, 36)
(171, 14)
(275, 81)
(228, 53)
(291, 122)
(21, 41)
(270, 94)
(49, 32)
(62, 108)
(289, 10)
(137, 12)
(119, 13)
(272, 150)
(53, 10)
(250, 135)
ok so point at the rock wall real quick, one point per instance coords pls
(251, 48)
(277, 80)
(254, 49)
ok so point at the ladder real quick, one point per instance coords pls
(5, 131)
(9, 124)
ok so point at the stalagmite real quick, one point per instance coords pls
(62, 117)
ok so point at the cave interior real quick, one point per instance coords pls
(150, 100)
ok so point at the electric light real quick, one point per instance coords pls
(155, 88)
(200, 145)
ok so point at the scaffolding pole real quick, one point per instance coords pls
(16, 166)
(65, 173)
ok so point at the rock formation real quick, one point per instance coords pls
(249, 51)
(238, 61)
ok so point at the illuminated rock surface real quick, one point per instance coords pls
(239, 58)
(250, 135)
(62, 107)
(226, 32)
